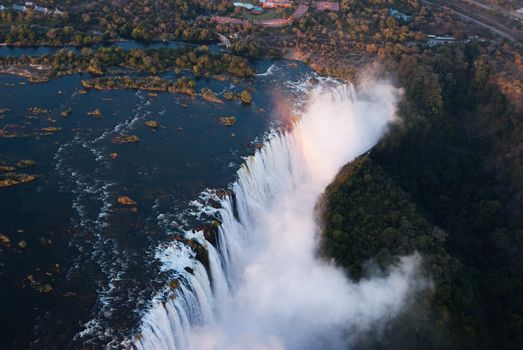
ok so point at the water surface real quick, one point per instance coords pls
(98, 255)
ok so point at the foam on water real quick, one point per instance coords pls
(270, 71)
(93, 190)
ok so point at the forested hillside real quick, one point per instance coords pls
(445, 182)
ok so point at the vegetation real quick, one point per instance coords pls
(227, 121)
(446, 183)
(125, 139)
(245, 97)
(210, 96)
(199, 61)
(87, 22)
(127, 82)
(12, 179)
(153, 124)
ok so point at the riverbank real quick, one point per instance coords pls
(200, 61)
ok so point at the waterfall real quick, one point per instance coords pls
(267, 289)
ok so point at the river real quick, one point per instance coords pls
(95, 254)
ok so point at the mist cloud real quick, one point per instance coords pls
(282, 296)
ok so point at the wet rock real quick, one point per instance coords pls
(5, 241)
(222, 193)
(32, 281)
(45, 242)
(7, 168)
(215, 204)
(82, 92)
(245, 97)
(202, 255)
(46, 288)
(25, 163)
(36, 285)
(66, 113)
(37, 110)
(69, 294)
(210, 231)
(50, 130)
(22, 244)
(113, 155)
(220, 77)
(12, 179)
(153, 124)
(210, 96)
(125, 200)
(97, 113)
(227, 121)
(152, 94)
(229, 96)
(174, 284)
(125, 139)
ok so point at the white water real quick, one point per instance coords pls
(268, 289)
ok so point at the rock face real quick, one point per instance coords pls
(125, 200)
(210, 96)
(174, 284)
(125, 139)
(227, 121)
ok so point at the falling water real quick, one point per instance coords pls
(264, 287)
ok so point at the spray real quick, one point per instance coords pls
(271, 291)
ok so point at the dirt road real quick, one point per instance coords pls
(481, 19)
